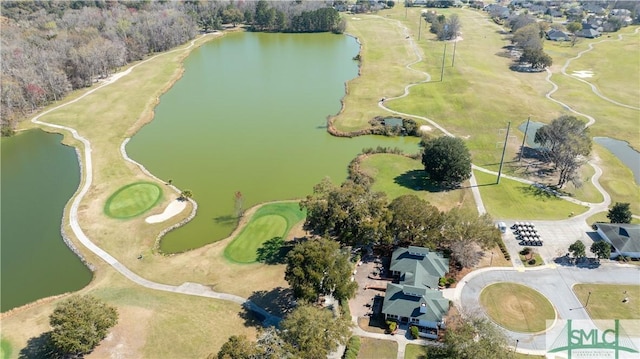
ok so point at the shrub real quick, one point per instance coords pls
(353, 348)
(525, 251)
(392, 326)
(450, 281)
(503, 249)
(532, 261)
(442, 282)
(344, 310)
(415, 332)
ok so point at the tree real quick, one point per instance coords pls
(317, 267)
(601, 249)
(80, 323)
(472, 337)
(415, 222)
(537, 58)
(237, 347)
(465, 232)
(562, 142)
(351, 213)
(185, 194)
(452, 27)
(577, 249)
(573, 28)
(446, 160)
(620, 213)
(528, 37)
(314, 332)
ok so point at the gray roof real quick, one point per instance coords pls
(590, 33)
(398, 302)
(624, 237)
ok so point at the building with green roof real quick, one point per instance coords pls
(415, 299)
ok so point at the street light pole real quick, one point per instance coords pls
(587, 303)
(419, 25)
(443, 54)
(455, 43)
(491, 261)
(524, 138)
(504, 149)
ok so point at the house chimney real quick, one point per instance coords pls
(423, 308)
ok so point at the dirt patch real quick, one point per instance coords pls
(128, 337)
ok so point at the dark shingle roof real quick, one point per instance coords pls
(624, 237)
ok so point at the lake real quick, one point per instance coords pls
(39, 176)
(249, 115)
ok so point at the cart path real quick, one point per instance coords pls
(594, 88)
(187, 288)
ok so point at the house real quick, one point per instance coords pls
(414, 299)
(555, 13)
(588, 33)
(625, 238)
(594, 9)
(557, 35)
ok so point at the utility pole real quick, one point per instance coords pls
(443, 53)
(504, 149)
(455, 43)
(524, 139)
(419, 25)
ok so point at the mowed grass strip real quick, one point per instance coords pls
(377, 348)
(398, 175)
(617, 179)
(606, 300)
(270, 220)
(132, 200)
(512, 199)
(517, 307)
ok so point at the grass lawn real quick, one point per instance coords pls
(151, 324)
(602, 217)
(517, 307)
(605, 301)
(525, 260)
(384, 53)
(5, 349)
(512, 199)
(133, 200)
(270, 220)
(525, 356)
(377, 348)
(414, 351)
(617, 179)
(398, 175)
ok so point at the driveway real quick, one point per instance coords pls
(553, 283)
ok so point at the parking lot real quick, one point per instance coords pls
(556, 237)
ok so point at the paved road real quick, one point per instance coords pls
(555, 283)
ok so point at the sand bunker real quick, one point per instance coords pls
(172, 209)
(425, 128)
(583, 74)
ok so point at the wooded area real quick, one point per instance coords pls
(49, 48)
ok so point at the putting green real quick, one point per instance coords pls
(517, 307)
(132, 200)
(243, 248)
(270, 220)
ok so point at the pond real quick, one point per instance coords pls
(621, 149)
(625, 153)
(39, 176)
(249, 116)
